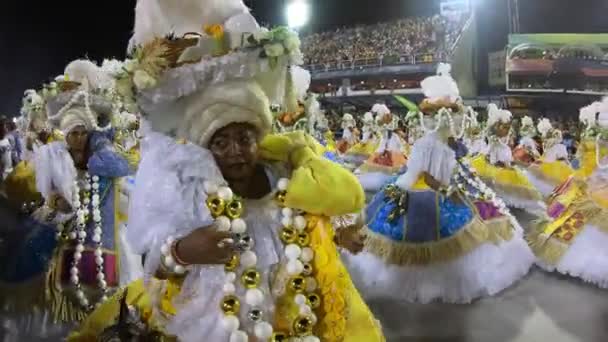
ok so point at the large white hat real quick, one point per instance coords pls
(496, 115)
(82, 94)
(233, 59)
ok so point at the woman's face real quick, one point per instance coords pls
(77, 139)
(502, 129)
(235, 149)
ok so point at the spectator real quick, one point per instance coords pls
(426, 36)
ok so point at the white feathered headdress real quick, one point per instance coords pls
(527, 127)
(88, 96)
(442, 86)
(544, 127)
(368, 118)
(158, 18)
(496, 115)
(588, 114)
(602, 109)
(301, 82)
(380, 109)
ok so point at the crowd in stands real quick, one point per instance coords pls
(390, 42)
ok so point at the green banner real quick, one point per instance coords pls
(599, 39)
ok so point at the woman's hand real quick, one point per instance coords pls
(205, 246)
(431, 181)
(351, 239)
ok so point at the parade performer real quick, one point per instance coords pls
(526, 151)
(368, 143)
(431, 233)
(475, 138)
(349, 136)
(74, 253)
(388, 157)
(233, 221)
(553, 168)
(496, 167)
(573, 240)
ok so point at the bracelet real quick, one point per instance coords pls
(175, 256)
(167, 259)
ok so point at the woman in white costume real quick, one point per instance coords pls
(432, 236)
(497, 169)
(349, 133)
(388, 157)
(526, 152)
(368, 143)
(553, 168)
(231, 219)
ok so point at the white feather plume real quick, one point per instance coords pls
(441, 86)
(602, 109)
(380, 109)
(301, 81)
(158, 18)
(527, 121)
(368, 118)
(587, 115)
(544, 127)
(496, 115)
(88, 74)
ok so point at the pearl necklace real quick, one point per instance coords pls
(227, 210)
(79, 234)
(484, 193)
(440, 114)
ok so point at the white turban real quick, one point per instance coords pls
(220, 105)
(76, 116)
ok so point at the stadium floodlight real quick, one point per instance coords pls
(298, 12)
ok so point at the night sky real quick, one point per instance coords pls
(38, 38)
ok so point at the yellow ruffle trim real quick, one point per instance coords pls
(343, 316)
(509, 181)
(364, 149)
(467, 239)
(555, 172)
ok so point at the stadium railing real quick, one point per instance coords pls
(377, 62)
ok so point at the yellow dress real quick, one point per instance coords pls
(318, 187)
(505, 180)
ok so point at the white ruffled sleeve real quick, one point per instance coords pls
(430, 155)
(169, 197)
(556, 152)
(499, 152)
